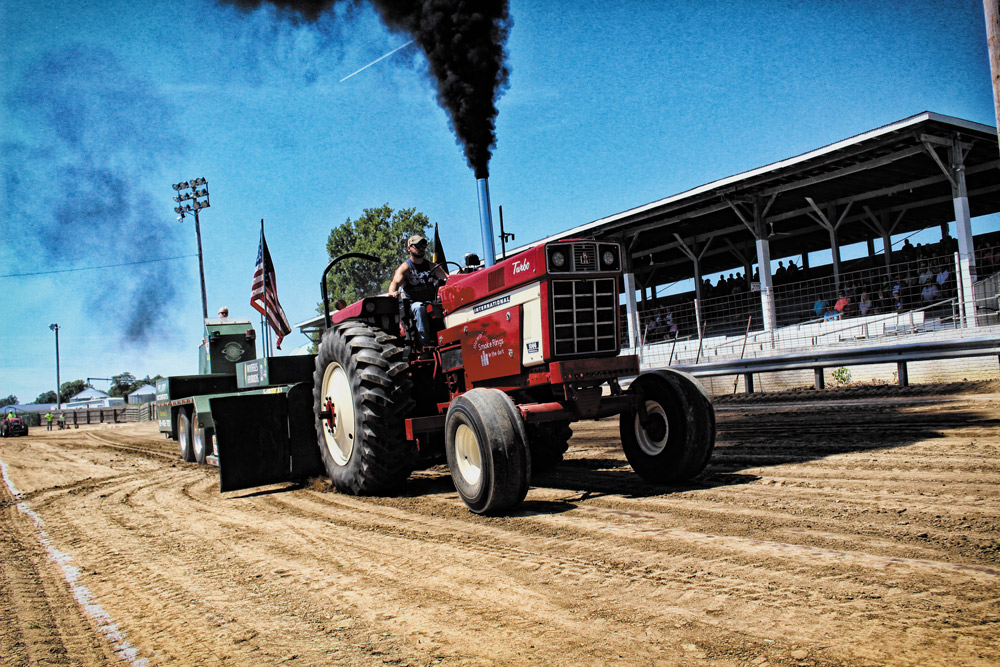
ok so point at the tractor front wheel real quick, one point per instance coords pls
(362, 396)
(675, 440)
(487, 451)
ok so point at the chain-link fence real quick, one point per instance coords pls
(864, 303)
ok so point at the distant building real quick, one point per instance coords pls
(92, 398)
(144, 394)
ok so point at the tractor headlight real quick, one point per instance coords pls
(558, 259)
(611, 258)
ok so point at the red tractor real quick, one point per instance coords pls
(524, 348)
(11, 426)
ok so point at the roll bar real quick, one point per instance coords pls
(326, 271)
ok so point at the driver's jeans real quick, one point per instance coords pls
(423, 321)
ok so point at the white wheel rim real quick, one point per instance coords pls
(467, 455)
(337, 390)
(183, 428)
(646, 443)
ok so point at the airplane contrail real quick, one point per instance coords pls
(375, 61)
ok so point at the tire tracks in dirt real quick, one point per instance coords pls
(869, 544)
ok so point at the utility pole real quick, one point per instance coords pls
(55, 327)
(992, 9)
(196, 205)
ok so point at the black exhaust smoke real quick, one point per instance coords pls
(464, 43)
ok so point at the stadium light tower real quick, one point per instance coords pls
(195, 190)
(55, 327)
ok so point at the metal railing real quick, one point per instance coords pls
(819, 360)
(908, 297)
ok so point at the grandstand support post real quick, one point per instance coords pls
(631, 311)
(766, 289)
(963, 226)
(825, 221)
(697, 322)
(881, 225)
(758, 227)
(695, 255)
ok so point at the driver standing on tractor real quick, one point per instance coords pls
(419, 280)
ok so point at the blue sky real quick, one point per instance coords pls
(610, 105)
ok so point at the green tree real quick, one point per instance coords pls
(381, 232)
(9, 400)
(122, 384)
(46, 397)
(70, 389)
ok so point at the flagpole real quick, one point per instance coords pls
(267, 329)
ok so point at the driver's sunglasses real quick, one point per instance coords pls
(419, 246)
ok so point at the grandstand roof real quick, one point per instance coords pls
(888, 172)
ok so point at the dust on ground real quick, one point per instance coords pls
(861, 530)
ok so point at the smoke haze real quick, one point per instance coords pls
(464, 42)
(91, 132)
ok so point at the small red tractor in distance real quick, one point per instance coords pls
(524, 348)
(12, 426)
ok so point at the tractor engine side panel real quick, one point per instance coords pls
(526, 297)
(491, 345)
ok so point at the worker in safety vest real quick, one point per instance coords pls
(48, 421)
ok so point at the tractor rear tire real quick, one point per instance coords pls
(184, 435)
(201, 443)
(548, 442)
(362, 396)
(486, 447)
(678, 440)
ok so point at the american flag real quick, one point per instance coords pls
(264, 294)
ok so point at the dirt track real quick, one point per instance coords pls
(859, 532)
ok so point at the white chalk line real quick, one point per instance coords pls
(107, 625)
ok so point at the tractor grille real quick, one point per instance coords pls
(585, 256)
(584, 316)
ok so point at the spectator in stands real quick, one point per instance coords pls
(652, 329)
(668, 319)
(948, 244)
(925, 274)
(929, 292)
(865, 304)
(841, 305)
(944, 285)
(779, 274)
(907, 252)
(790, 272)
(897, 293)
(820, 307)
